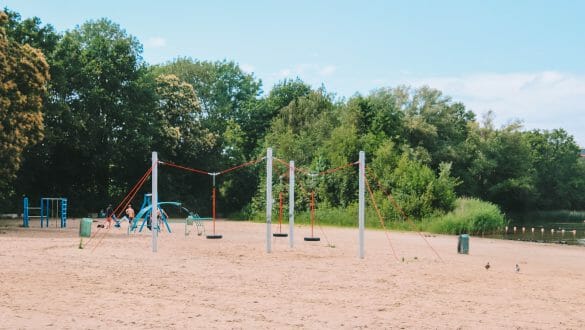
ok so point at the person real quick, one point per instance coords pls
(109, 213)
(159, 217)
(130, 214)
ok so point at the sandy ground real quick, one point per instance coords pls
(116, 281)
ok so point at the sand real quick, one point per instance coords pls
(117, 282)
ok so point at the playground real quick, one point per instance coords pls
(194, 282)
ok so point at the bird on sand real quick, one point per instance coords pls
(517, 268)
(487, 266)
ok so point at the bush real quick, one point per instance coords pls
(471, 216)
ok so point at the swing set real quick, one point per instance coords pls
(193, 218)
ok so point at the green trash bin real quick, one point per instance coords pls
(85, 227)
(463, 244)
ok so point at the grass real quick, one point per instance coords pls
(340, 217)
(471, 216)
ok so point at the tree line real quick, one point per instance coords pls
(81, 111)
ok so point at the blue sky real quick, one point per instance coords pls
(521, 59)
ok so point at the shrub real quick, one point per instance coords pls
(471, 216)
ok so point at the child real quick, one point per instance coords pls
(130, 214)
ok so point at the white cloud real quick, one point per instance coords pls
(248, 68)
(327, 70)
(285, 73)
(543, 100)
(156, 42)
(308, 72)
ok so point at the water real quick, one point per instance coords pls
(561, 227)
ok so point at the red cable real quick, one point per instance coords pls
(134, 190)
(213, 207)
(380, 217)
(132, 193)
(185, 168)
(280, 213)
(252, 162)
(332, 170)
(312, 211)
(395, 204)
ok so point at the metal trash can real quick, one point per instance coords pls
(463, 244)
(85, 227)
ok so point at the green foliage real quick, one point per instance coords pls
(559, 176)
(419, 192)
(471, 216)
(98, 117)
(234, 120)
(24, 74)
(105, 110)
(31, 31)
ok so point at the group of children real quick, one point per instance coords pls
(110, 215)
(129, 216)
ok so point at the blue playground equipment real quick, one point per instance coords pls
(51, 208)
(146, 210)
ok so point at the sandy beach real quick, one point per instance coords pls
(116, 281)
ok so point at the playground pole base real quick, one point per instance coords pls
(214, 236)
(280, 235)
(312, 239)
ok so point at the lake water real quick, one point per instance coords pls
(562, 227)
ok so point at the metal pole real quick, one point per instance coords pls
(291, 203)
(25, 213)
(269, 200)
(154, 211)
(42, 212)
(362, 201)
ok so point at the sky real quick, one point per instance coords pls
(523, 60)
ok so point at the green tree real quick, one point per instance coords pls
(500, 170)
(98, 133)
(31, 31)
(555, 158)
(438, 126)
(23, 77)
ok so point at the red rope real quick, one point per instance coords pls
(252, 162)
(380, 218)
(308, 172)
(185, 168)
(312, 211)
(125, 200)
(333, 170)
(318, 222)
(395, 204)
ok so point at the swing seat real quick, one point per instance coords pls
(280, 235)
(312, 239)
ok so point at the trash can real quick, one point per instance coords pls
(85, 227)
(463, 244)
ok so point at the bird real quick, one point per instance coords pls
(517, 268)
(487, 266)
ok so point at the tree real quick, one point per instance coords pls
(31, 31)
(500, 169)
(555, 159)
(98, 137)
(24, 73)
(232, 111)
(224, 90)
